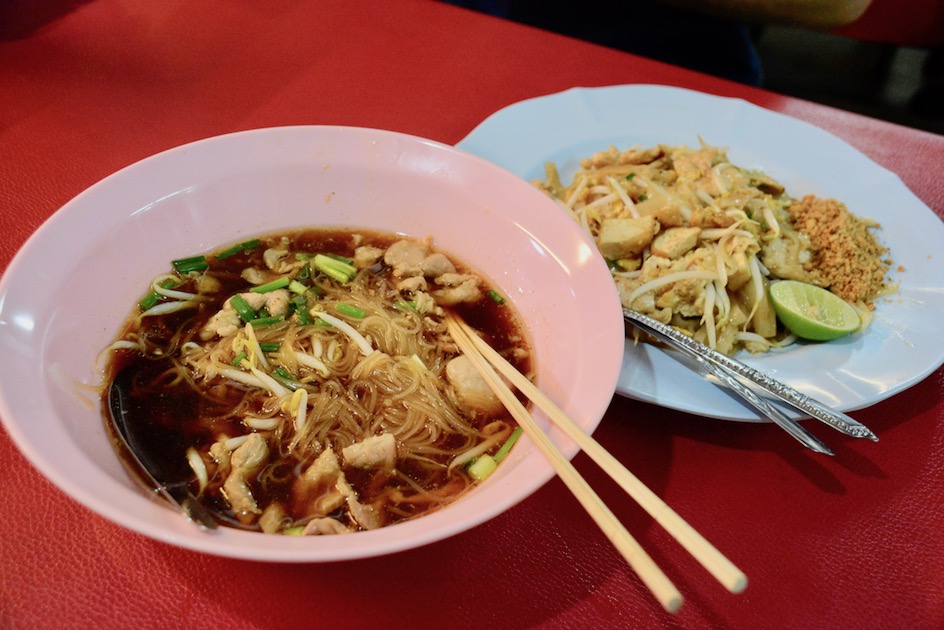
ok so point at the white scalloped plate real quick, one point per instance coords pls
(901, 347)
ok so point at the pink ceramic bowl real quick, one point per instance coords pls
(67, 292)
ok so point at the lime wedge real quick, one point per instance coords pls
(812, 312)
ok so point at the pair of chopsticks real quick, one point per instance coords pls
(486, 361)
(743, 380)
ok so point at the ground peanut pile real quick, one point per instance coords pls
(845, 252)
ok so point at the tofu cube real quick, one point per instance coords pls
(675, 242)
(625, 238)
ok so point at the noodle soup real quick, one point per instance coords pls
(304, 383)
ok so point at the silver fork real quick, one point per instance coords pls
(731, 372)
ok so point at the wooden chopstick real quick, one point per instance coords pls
(707, 555)
(651, 575)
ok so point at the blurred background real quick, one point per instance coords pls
(900, 83)
(887, 64)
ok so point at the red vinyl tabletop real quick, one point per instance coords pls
(86, 88)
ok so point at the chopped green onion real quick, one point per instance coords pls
(269, 346)
(630, 176)
(340, 258)
(303, 317)
(303, 256)
(496, 296)
(405, 305)
(294, 531)
(266, 321)
(194, 263)
(643, 197)
(482, 467)
(500, 455)
(350, 310)
(281, 283)
(337, 269)
(297, 287)
(235, 249)
(304, 273)
(242, 308)
(239, 359)
(149, 300)
(283, 373)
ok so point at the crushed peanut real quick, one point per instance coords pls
(845, 253)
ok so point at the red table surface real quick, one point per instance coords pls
(854, 541)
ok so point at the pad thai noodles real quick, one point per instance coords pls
(694, 240)
(305, 383)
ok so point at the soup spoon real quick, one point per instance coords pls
(154, 476)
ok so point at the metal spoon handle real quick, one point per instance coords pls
(729, 380)
(783, 392)
(178, 495)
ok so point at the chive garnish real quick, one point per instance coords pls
(149, 300)
(500, 455)
(270, 346)
(280, 283)
(154, 297)
(266, 321)
(239, 358)
(339, 270)
(405, 305)
(242, 308)
(241, 247)
(350, 310)
(496, 296)
(194, 263)
(283, 373)
(340, 258)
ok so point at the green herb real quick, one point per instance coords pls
(281, 283)
(482, 467)
(194, 263)
(630, 176)
(495, 296)
(350, 310)
(266, 321)
(297, 287)
(283, 373)
(149, 300)
(242, 308)
(340, 258)
(270, 346)
(339, 270)
(239, 359)
(500, 455)
(235, 249)
(643, 197)
(303, 317)
(404, 305)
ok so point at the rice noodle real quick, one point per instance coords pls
(741, 219)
